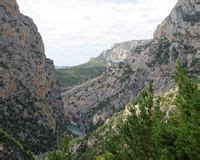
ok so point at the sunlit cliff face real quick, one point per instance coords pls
(183, 24)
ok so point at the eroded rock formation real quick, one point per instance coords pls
(183, 24)
(120, 51)
(31, 108)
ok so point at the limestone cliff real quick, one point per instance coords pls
(120, 51)
(177, 38)
(31, 108)
(183, 24)
(71, 76)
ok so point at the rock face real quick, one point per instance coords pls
(183, 24)
(92, 102)
(31, 108)
(120, 51)
(72, 76)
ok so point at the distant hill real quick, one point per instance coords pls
(74, 75)
(69, 76)
(62, 67)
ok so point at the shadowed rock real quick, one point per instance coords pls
(31, 108)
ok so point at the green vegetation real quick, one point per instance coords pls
(63, 152)
(135, 136)
(153, 128)
(38, 138)
(74, 75)
(150, 133)
(11, 144)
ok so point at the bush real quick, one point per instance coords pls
(63, 152)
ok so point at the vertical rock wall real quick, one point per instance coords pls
(31, 108)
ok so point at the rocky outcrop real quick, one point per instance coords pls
(119, 52)
(92, 102)
(72, 76)
(183, 24)
(31, 108)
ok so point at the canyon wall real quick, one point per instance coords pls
(31, 107)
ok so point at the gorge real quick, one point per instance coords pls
(36, 111)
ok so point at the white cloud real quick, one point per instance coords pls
(82, 28)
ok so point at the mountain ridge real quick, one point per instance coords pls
(75, 75)
(92, 102)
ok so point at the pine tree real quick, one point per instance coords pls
(147, 134)
(178, 137)
(188, 104)
(135, 137)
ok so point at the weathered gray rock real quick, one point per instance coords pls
(120, 51)
(31, 108)
(183, 24)
(92, 102)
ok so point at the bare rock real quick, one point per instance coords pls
(183, 24)
(31, 108)
(120, 51)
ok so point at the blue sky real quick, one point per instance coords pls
(76, 30)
